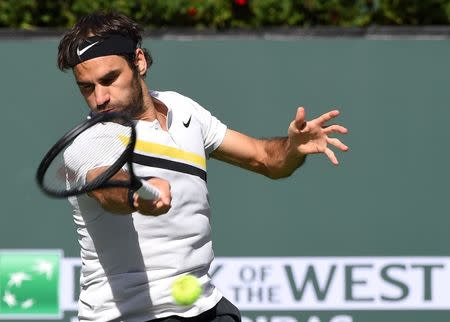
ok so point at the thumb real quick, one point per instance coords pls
(300, 122)
(166, 200)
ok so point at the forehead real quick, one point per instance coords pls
(97, 67)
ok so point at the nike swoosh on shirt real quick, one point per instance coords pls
(82, 51)
(188, 122)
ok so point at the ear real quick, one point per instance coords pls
(140, 61)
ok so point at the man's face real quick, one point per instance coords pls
(108, 84)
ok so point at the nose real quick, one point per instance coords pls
(101, 96)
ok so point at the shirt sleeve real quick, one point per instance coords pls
(213, 129)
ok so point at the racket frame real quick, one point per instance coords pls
(102, 180)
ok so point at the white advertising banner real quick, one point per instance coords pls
(322, 283)
(253, 284)
(335, 283)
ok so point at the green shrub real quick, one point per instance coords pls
(224, 14)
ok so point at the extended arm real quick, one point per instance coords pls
(280, 157)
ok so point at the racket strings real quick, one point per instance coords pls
(99, 146)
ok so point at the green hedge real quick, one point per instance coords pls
(224, 14)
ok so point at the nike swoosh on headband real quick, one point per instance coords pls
(109, 44)
(82, 51)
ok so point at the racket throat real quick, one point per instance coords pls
(135, 184)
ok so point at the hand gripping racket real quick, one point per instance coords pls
(106, 140)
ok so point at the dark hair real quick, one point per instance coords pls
(99, 24)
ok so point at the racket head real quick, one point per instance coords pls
(113, 137)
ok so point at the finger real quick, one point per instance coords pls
(162, 209)
(158, 208)
(334, 129)
(327, 116)
(330, 154)
(164, 202)
(337, 143)
(299, 121)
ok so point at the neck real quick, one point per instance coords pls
(154, 109)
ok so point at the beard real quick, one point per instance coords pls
(133, 105)
(136, 106)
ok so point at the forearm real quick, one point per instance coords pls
(274, 158)
(114, 200)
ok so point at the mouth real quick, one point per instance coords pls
(109, 110)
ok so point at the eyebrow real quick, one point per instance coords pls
(108, 76)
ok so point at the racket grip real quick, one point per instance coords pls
(147, 191)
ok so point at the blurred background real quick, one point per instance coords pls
(225, 14)
(365, 241)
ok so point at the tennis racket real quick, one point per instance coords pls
(105, 140)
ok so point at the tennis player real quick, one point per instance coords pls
(133, 249)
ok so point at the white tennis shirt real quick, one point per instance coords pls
(130, 261)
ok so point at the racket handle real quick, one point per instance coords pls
(147, 191)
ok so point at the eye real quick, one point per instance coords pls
(106, 82)
(86, 87)
(109, 79)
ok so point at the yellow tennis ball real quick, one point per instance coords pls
(186, 290)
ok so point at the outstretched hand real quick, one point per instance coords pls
(310, 137)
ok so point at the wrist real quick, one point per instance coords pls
(293, 154)
(131, 199)
(292, 150)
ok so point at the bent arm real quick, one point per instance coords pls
(114, 200)
(117, 200)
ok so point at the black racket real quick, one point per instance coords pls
(105, 140)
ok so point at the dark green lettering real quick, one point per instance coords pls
(311, 277)
(349, 282)
(427, 292)
(402, 286)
